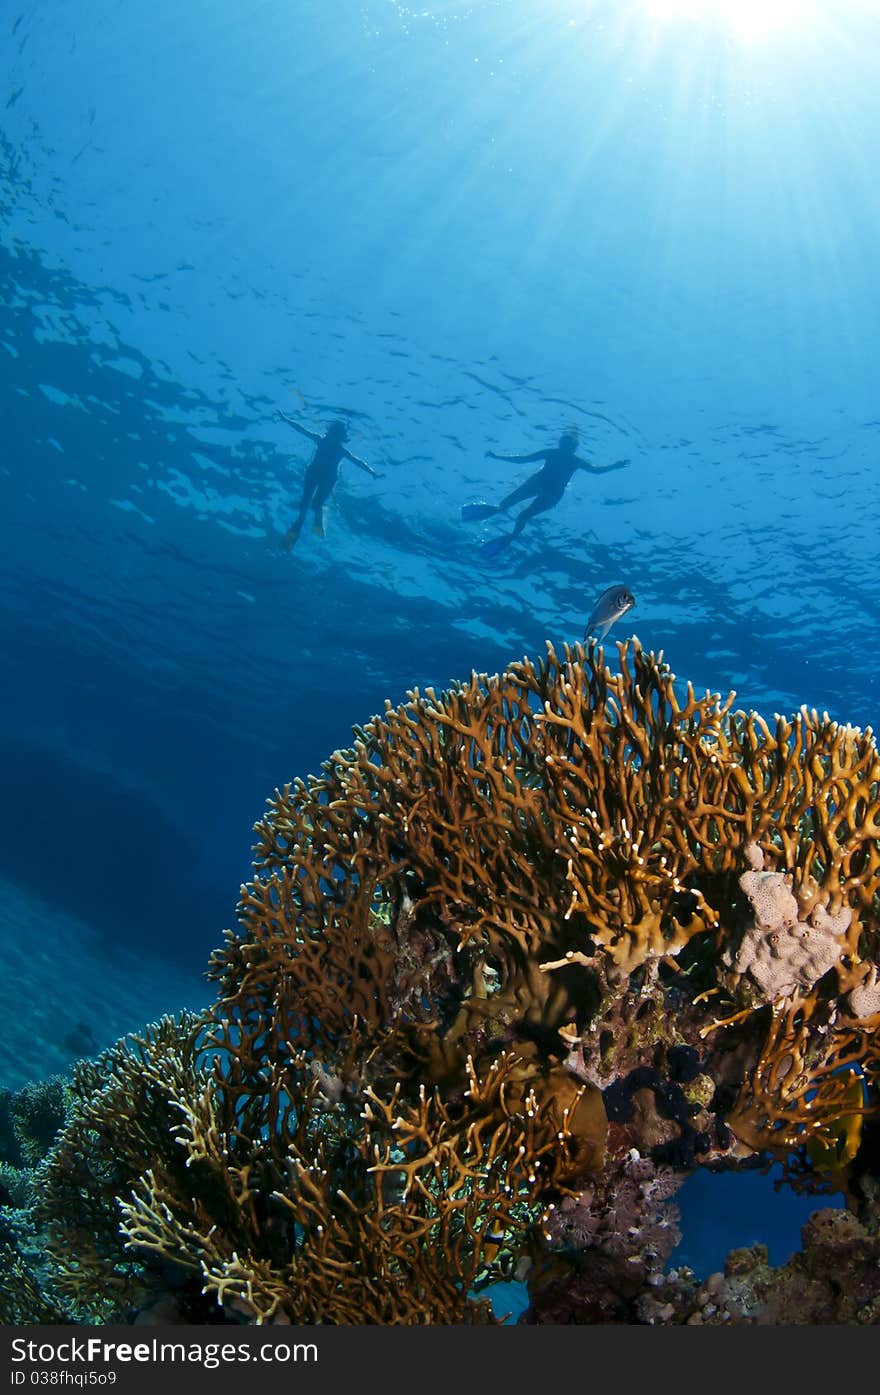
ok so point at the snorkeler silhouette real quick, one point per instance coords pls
(322, 473)
(545, 488)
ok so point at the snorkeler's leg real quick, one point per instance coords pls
(474, 513)
(525, 491)
(319, 506)
(292, 535)
(540, 504)
(494, 546)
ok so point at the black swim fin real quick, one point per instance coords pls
(494, 546)
(473, 513)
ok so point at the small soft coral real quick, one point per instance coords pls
(779, 951)
(864, 999)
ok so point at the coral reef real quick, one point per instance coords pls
(34, 1116)
(507, 970)
(22, 1298)
(833, 1279)
(609, 1241)
(30, 1121)
(309, 1200)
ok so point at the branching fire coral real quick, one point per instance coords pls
(505, 946)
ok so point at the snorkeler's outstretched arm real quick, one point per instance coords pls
(303, 430)
(356, 460)
(518, 459)
(601, 469)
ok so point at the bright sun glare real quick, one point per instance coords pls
(747, 19)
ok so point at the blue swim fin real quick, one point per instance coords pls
(473, 513)
(494, 546)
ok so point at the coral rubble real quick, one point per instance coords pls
(507, 970)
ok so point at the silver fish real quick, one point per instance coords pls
(613, 603)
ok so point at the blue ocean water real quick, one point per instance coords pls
(462, 227)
